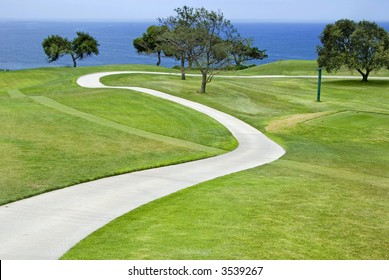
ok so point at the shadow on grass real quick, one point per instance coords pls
(359, 83)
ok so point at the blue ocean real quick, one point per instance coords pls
(20, 42)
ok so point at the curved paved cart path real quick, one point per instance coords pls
(48, 225)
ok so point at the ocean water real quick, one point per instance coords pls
(20, 42)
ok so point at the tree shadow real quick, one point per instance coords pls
(358, 83)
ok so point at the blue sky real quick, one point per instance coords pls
(248, 10)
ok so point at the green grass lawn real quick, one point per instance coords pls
(46, 145)
(327, 198)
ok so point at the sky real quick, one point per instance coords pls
(239, 10)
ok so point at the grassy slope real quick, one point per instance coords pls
(326, 199)
(301, 67)
(43, 149)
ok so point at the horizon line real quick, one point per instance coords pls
(145, 20)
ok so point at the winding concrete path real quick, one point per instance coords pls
(46, 226)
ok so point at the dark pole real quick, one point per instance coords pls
(319, 85)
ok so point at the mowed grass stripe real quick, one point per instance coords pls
(108, 123)
(337, 173)
(15, 93)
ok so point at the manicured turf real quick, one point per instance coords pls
(274, 212)
(327, 198)
(54, 133)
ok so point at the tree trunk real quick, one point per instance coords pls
(74, 60)
(365, 76)
(203, 82)
(237, 61)
(183, 77)
(159, 58)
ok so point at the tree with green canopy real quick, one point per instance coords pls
(242, 50)
(206, 40)
(150, 42)
(81, 47)
(178, 40)
(362, 46)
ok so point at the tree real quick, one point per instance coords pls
(362, 46)
(211, 52)
(150, 42)
(199, 36)
(242, 50)
(206, 40)
(81, 47)
(55, 47)
(178, 41)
